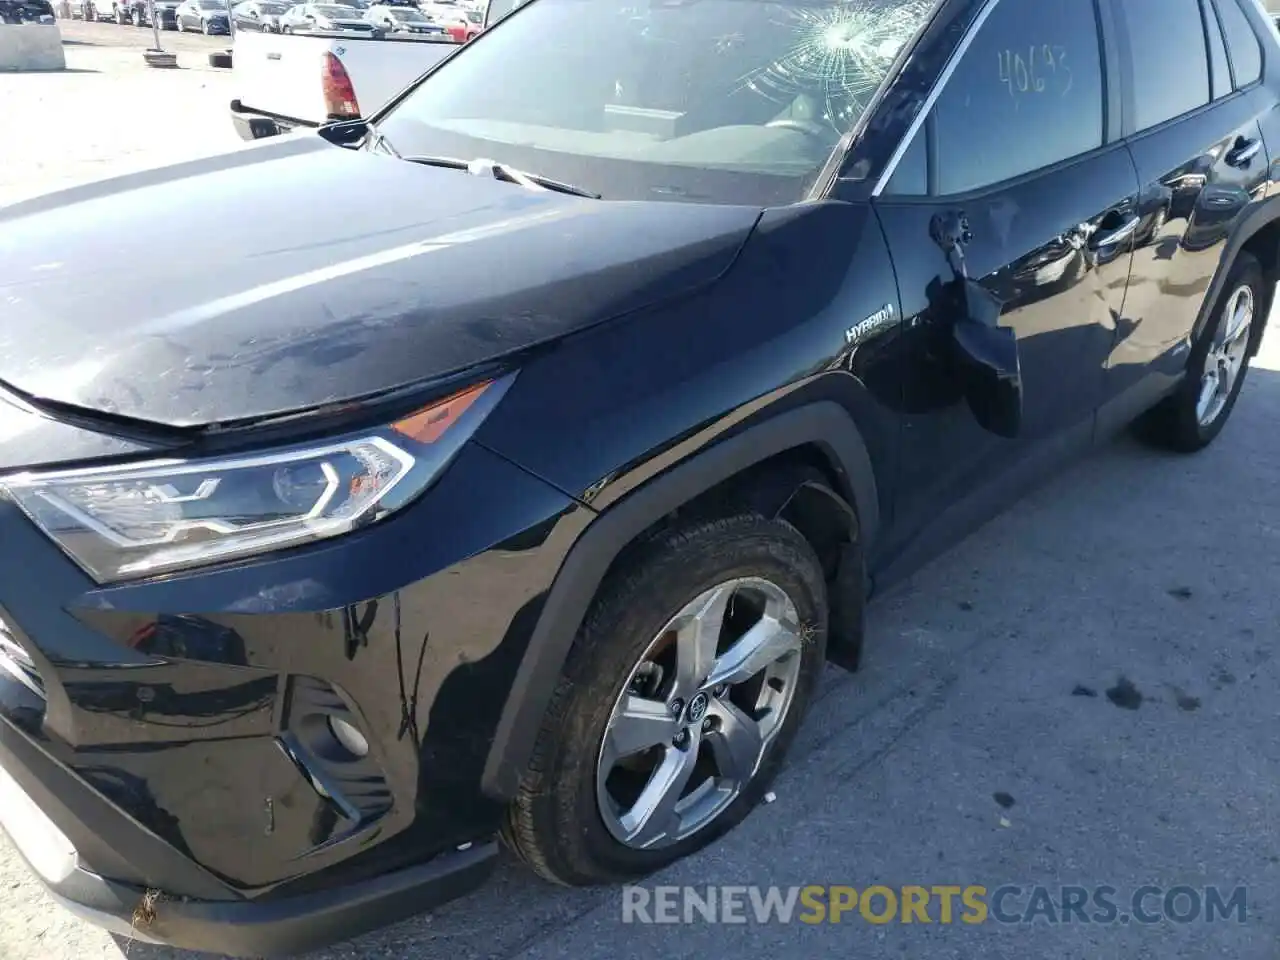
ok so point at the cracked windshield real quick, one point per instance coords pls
(717, 100)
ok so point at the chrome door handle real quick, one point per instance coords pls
(1244, 151)
(1118, 235)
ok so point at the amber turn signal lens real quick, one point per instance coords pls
(429, 424)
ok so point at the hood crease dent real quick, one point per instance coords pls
(288, 276)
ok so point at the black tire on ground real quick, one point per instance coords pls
(1173, 424)
(204, 27)
(122, 17)
(554, 824)
(220, 59)
(137, 17)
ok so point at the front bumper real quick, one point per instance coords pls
(163, 775)
(230, 926)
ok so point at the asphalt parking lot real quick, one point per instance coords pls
(1083, 693)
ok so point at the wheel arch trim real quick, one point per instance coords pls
(825, 424)
(1263, 215)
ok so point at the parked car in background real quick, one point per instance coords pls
(204, 16)
(138, 13)
(404, 20)
(18, 12)
(326, 17)
(285, 82)
(91, 11)
(259, 15)
(462, 23)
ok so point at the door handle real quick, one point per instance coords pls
(1243, 152)
(1121, 233)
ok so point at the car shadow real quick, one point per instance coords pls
(936, 642)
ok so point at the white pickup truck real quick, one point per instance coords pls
(286, 81)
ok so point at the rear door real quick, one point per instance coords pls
(1023, 141)
(1191, 121)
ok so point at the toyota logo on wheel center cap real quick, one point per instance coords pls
(698, 708)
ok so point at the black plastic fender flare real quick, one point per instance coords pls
(825, 424)
(1262, 215)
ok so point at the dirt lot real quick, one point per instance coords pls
(109, 112)
(990, 738)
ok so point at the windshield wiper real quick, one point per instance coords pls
(482, 167)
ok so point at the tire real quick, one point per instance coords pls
(121, 17)
(1179, 422)
(137, 18)
(204, 27)
(556, 824)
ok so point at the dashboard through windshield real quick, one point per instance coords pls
(728, 101)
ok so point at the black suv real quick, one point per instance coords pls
(422, 498)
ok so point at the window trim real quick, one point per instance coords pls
(1226, 45)
(1210, 9)
(1207, 8)
(927, 107)
(1109, 134)
(1130, 133)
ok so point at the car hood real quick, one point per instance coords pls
(293, 274)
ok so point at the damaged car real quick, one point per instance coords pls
(507, 463)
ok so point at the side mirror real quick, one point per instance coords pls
(987, 359)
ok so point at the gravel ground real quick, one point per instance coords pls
(108, 112)
(1082, 693)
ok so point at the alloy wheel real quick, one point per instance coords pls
(692, 724)
(1226, 357)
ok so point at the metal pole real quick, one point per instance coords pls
(155, 27)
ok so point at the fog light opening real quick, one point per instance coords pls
(352, 740)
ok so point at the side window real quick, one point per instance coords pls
(1242, 42)
(1165, 85)
(911, 176)
(1220, 73)
(1027, 94)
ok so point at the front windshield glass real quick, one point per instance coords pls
(273, 9)
(728, 101)
(407, 13)
(340, 13)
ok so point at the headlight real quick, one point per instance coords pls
(141, 519)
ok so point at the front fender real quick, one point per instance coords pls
(824, 424)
